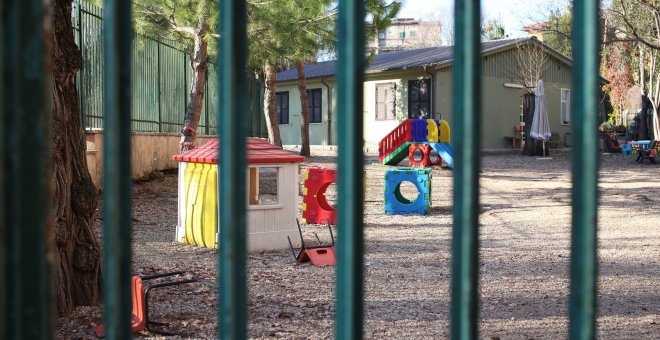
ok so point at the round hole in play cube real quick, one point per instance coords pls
(406, 192)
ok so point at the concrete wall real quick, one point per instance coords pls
(150, 151)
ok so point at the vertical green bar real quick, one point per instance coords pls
(27, 114)
(584, 103)
(3, 152)
(233, 104)
(350, 80)
(118, 38)
(466, 143)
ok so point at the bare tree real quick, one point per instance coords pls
(531, 59)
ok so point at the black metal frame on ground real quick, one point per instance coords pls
(303, 247)
(160, 285)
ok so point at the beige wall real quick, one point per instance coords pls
(418, 34)
(501, 108)
(318, 132)
(150, 151)
(375, 130)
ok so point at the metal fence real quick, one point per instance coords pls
(25, 299)
(160, 82)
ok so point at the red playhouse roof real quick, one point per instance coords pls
(258, 151)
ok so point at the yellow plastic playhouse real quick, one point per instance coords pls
(272, 184)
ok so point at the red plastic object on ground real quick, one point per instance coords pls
(138, 319)
(425, 153)
(316, 208)
(319, 255)
(140, 313)
(324, 256)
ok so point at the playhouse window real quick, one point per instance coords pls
(262, 188)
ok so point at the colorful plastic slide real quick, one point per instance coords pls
(394, 147)
(445, 151)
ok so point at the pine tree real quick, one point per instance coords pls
(75, 199)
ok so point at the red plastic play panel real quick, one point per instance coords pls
(258, 151)
(321, 256)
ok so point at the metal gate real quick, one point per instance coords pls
(26, 301)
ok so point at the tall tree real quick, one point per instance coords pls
(191, 22)
(492, 30)
(558, 34)
(75, 199)
(317, 32)
(638, 22)
(617, 69)
(292, 33)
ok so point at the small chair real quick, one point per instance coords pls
(517, 130)
(140, 301)
(647, 153)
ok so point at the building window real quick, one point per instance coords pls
(263, 186)
(565, 106)
(282, 107)
(381, 35)
(412, 34)
(386, 101)
(314, 105)
(419, 99)
(402, 35)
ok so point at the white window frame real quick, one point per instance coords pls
(567, 112)
(253, 206)
(393, 113)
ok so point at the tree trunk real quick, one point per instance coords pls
(269, 104)
(196, 98)
(75, 199)
(304, 120)
(532, 146)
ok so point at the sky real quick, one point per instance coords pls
(514, 14)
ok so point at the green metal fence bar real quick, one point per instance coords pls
(26, 112)
(118, 38)
(4, 274)
(350, 80)
(27, 115)
(233, 103)
(466, 143)
(584, 102)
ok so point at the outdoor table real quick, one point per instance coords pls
(639, 145)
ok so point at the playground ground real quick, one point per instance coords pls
(525, 254)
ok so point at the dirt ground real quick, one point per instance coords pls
(525, 254)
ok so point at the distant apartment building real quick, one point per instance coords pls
(407, 34)
(537, 30)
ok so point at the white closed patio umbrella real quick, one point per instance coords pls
(540, 127)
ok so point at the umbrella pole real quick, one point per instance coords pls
(544, 148)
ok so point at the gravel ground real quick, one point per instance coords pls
(525, 254)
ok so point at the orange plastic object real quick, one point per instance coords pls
(316, 208)
(138, 317)
(323, 256)
(425, 161)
